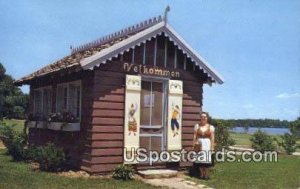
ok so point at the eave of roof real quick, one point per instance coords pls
(100, 51)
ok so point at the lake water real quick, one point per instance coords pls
(270, 131)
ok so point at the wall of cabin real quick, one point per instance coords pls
(106, 137)
(98, 146)
(73, 143)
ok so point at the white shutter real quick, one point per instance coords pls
(174, 134)
(132, 117)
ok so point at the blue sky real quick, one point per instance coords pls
(254, 44)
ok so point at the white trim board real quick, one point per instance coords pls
(141, 37)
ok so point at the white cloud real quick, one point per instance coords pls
(286, 95)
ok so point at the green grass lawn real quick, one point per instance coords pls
(19, 124)
(243, 139)
(282, 174)
(19, 175)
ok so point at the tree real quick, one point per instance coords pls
(222, 135)
(288, 143)
(13, 103)
(262, 142)
(295, 128)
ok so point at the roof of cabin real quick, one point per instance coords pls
(93, 54)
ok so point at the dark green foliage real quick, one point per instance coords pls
(288, 143)
(222, 137)
(271, 123)
(14, 142)
(7, 133)
(262, 142)
(49, 157)
(295, 128)
(124, 172)
(13, 103)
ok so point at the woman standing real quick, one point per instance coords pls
(204, 139)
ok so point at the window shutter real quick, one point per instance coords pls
(132, 117)
(174, 115)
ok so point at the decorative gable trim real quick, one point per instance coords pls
(136, 40)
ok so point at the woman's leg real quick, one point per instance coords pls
(201, 172)
(206, 172)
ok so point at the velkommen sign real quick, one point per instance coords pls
(143, 69)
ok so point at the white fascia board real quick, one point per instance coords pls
(192, 53)
(105, 54)
(141, 37)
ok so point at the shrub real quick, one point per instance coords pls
(16, 148)
(288, 143)
(49, 157)
(124, 172)
(14, 142)
(222, 135)
(262, 142)
(7, 133)
(295, 128)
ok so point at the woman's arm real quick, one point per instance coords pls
(194, 139)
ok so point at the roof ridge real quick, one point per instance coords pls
(125, 31)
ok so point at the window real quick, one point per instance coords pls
(74, 99)
(42, 98)
(61, 98)
(37, 95)
(152, 128)
(47, 101)
(151, 103)
(68, 98)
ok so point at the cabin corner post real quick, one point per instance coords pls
(132, 118)
(174, 131)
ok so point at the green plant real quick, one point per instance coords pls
(295, 128)
(288, 143)
(261, 141)
(222, 135)
(49, 157)
(124, 172)
(7, 133)
(14, 142)
(16, 148)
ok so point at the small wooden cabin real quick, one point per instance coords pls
(140, 87)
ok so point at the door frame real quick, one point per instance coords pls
(165, 91)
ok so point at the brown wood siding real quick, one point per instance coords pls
(103, 100)
(105, 151)
(73, 143)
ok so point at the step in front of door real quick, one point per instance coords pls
(158, 173)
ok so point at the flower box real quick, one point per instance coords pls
(37, 124)
(61, 126)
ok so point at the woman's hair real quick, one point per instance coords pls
(208, 116)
